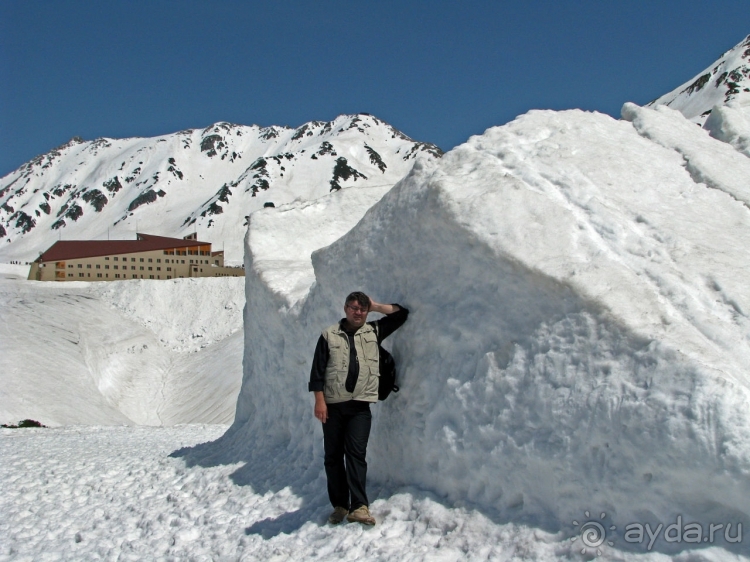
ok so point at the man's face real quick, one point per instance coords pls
(356, 315)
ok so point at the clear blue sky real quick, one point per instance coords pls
(438, 71)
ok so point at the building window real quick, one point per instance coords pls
(117, 275)
(115, 267)
(150, 260)
(80, 265)
(98, 266)
(141, 259)
(132, 267)
(107, 258)
(150, 276)
(135, 276)
(98, 274)
(169, 269)
(80, 274)
(158, 269)
(150, 268)
(158, 260)
(88, 266)
(132, 259)
(216, 262)
(106, 267)
(182, 261)
(169, 277)
(70, 275)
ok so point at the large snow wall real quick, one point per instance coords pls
(578, 337)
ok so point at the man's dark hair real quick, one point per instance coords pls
(360, 297)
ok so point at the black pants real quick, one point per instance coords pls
(345, 436)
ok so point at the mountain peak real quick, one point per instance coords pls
(726, 82)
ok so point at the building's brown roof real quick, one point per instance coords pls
(75, 249)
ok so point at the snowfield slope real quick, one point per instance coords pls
(726, 82)
(196, 180)
(578, 337)
(125, 352)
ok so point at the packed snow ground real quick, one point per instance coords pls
(125, 493)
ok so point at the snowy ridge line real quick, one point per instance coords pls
(726, 82)
(577, 338)
(206, 181)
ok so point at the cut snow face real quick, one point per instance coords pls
(578, 339)
(206, 181)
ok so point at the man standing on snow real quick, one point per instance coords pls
(344, 377)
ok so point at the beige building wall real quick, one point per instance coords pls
(155, 264)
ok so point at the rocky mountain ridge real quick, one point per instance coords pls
(726, 82)
(198, 180)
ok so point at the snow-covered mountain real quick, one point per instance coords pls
(726, 82)
(196, 180)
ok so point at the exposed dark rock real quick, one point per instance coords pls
(212, 144)
(96, 198)
(7, 208)
(343, 171)
(144, 198)
(423, 147)
(44, 206)
(75, 212)
(375, 158)
(113, 185)
(259, 164)
(133, 175)
(2, 231)
(213, 209)
(268, 205)
(268, 133)
(24, 222)
(300, 132)
(60, 191)
(62, 209)
(224, 193)
(24, 423)
(175, 171)
(698, 84)
(326, 148)
(58, 224)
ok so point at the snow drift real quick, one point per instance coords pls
(579, 331)
(124, 352)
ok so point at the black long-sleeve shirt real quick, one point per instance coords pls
(385, 326)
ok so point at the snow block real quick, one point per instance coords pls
(578, 337)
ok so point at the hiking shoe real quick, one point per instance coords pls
(338, 515)
(361, 515)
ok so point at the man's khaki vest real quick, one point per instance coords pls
(366, 344)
